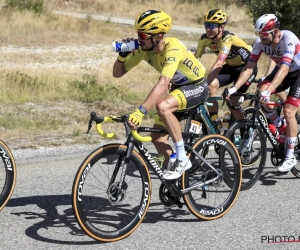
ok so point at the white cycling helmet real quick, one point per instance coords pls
(266, 22)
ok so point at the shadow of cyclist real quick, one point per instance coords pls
(49, 219)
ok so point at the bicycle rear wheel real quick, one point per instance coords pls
(254, 159)
(101, 211)
(8, 173)
(215, 199)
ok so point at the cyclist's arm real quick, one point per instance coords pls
(215, 70)
(203, 42)
(225, 47)
(245, 74)
(199, 52)
(175, 54)
(279, 77)
(251, 64)
(271, 67)
(157, 92)
(118, 69)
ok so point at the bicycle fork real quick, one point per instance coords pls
(117, 189)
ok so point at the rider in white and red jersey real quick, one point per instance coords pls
(283, 47)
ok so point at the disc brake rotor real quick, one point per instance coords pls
(116, 196)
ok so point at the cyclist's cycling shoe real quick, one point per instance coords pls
(177, 170)
(287, 165)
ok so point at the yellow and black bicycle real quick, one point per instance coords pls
(112, 188)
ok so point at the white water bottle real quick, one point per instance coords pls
(125, 46)
(171, 160)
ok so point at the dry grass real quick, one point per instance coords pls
(187, 13)
(55, 70)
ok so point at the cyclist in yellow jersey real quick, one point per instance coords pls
(232, 55)
(179, 71)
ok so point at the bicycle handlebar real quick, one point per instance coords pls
(123, 119)
(246, 96)
(139, 137)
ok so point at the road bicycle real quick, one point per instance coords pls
(7, 175)
(278, 106)
(255, 129)
(201, 115)
(207, 125)
(112, 188)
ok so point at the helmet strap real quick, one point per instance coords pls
(153, 44)
(273, 35)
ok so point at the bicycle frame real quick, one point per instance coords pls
(201, 109)
(170, 185)
(258, 119)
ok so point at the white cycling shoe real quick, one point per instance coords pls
(177, 170)
(287, 165)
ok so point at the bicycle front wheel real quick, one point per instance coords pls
(254, 159)
(8, 173)
(213, 199)
(105, 208)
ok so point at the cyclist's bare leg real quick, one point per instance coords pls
(281, 95)
(213, 87)
(162, 144)
(237, 114)
(289, 112)
(165, 109)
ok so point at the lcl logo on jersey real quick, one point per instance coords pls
(171, 58)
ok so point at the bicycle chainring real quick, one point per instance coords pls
(245, 157)
(276, 159)
(166, 197)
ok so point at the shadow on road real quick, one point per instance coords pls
(50, 220)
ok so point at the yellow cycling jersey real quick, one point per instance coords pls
(230, 49)
(175, 62)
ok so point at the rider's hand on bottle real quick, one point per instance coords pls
(135, 119)
(122, 55)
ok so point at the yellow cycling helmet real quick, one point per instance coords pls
(153, 22)
(215, 16)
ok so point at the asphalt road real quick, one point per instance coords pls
(39, 214)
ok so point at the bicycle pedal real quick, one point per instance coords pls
(176, 203)
(179, 203)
